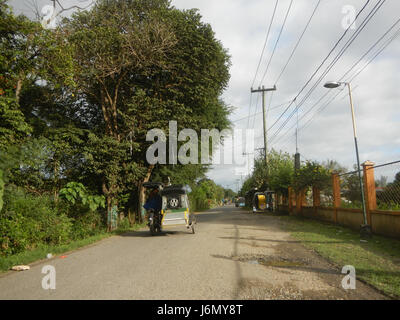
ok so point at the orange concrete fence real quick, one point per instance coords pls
(382, 222)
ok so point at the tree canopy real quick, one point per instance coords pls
(82, 97)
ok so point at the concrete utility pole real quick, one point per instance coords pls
(263, 90)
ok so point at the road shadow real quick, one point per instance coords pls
(282, 265)
(147, 234)
(280, 241)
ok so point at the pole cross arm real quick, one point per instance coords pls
(263, 89)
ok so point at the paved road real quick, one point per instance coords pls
(233, 255)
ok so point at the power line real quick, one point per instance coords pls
(265, 42)
(277, 41)
(322, 63)
(262, 54)
(273, 51)
(366, 20)
(298, 42)
(383, 47)
(379, 52)
(272, 108)
(304, 115)
(388, 41)
(373, 11)
(255, 111)
(370, 49)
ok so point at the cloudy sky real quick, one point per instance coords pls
(241, 26)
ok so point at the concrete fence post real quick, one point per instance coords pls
(336, 194)
(316, 199)
(290, 200)
(370, 189)
(300, 201)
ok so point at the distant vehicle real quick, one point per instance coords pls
(263, 201)
(240, 202)
(259, 202)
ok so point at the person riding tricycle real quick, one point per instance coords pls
(168, 206)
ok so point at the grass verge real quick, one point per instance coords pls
(41, 252)
(377, 262)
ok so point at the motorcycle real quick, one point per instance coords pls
(175, 209)
(155, 219)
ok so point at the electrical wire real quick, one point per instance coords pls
(262, 54)
(277, 41)
(323, 107)
(336, 59)
(358, 61)
(298, 41)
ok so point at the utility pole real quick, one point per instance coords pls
(263, 90)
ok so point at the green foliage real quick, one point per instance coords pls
(75, 191)
(356, 204)
(205, 195)
(312, 174)
(27, 221)
(18, 51)
(277, 176)
(24, 164)
(86, 225)
(76, 104)
(389, 198)
(13, 127)
(1, 189)
(281, 171)
(389, 205)
(229, 193)
(376, 261)
(351, 188)
(124, 224)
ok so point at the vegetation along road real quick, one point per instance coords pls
(233, 255)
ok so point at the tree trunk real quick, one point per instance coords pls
(18, 89)
(107, 194)
(55, 182)
(142, 198)
(109, 224)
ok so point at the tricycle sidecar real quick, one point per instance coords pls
(175, 208)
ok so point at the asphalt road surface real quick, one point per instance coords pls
(233, 255)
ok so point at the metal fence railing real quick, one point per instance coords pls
(326, 198)
(350, 193)
(309, 197)
(387, 182)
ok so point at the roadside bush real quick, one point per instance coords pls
(18, 234)
(84, 208)
(87, 224)
(124, 224)
(312, 174)
(27, 221)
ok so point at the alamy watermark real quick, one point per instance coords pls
(49, 280)
(349, 19)
(206, 150)
(349, 281)
(49, 20)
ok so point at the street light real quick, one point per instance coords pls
(365, 228)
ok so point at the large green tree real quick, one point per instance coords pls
(138, 65)
(276, 176)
